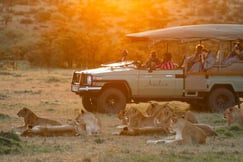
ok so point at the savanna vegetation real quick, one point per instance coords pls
(86, 33)
(47, 93)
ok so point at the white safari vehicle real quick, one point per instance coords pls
(110, 87)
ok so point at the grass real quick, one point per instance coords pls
(57, 102)
(176, 157)
(10, 143)
(27, 91)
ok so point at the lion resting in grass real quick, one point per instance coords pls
(88, 122)
(136, 123)
(234, 115)
(186, 133)
(31, 119)
(84, 123)
(155, 120)
(50, 130)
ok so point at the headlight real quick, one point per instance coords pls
(89, 80)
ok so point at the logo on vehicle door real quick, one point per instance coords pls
(157, 83)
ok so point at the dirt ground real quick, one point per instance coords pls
(47, 93)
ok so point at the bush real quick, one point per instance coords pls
(9, 143)
(26, 21)
(43, 16)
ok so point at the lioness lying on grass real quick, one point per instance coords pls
(31, 119)
(186, 133)
(155, 119)
(88, 122)
(84, 123)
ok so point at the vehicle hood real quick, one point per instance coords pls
(106, 70)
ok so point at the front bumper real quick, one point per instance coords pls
(78, 89)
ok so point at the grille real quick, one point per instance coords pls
(80, 79)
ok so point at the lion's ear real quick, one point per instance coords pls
(82, 111)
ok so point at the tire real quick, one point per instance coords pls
(89, 103)
(111, 100)
(220, 99)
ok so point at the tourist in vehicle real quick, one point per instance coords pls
(124, 55)
(167, 63)
(240, 46)
(195, 58)
(207, 59)
(234, 55)
(153, 61)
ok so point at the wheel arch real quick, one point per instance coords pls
(228, 86)
(121, 85)
(220, 97)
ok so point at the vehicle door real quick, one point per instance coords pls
(160, 83)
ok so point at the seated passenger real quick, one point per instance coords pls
(234, 56)
(153, 61)
(207, 60)
(167, 62)
(195, 58)
(124, 55)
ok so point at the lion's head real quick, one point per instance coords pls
(24, 112)
(232, 114)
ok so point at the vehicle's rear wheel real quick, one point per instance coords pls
(111, 100)
(89, 103)
(220, 99)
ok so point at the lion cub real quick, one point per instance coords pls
(186, 133)
(31, 119)
(234, 115)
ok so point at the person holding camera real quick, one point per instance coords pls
(207, 60)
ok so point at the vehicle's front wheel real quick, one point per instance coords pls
(220, 99)
(89, 103)
(111, 100)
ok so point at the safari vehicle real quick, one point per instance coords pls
(110, 87)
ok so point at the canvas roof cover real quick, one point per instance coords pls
(192, 33)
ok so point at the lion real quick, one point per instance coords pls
(140, 131)
(234, 115)
(84, 123)
(88, 122)
(156, 109)
(122, 115)
(153, 109)
(207, 129)
(136, 119)
(188, 115)
(186, 133)
(31, 119)
(155, 119)
(50, 130)
(137, 123)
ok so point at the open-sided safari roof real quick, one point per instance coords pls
(192, 33)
